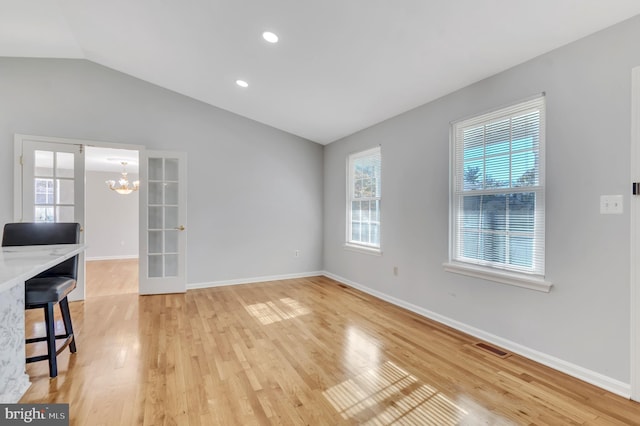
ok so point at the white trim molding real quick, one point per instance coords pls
(499, 276)
(634, 212)
(607, 383)
(363, 249)
(210, 284)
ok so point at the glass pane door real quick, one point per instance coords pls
(53, 182)
(163, 217)
(163, 236)
(52, 187)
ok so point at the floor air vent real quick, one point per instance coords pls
(492, 349)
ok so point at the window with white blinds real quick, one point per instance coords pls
(498, 189)
(363, 199)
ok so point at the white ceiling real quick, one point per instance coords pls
(340, 65)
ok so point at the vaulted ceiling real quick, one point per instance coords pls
(339, 66)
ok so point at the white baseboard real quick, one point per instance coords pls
(589, 376)
(121, 257)
(210, 284)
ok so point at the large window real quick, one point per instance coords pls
(498, 189)
(363, 199)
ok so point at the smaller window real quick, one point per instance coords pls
(363, 199)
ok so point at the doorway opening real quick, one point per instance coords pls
(161, 218)
(112, 225)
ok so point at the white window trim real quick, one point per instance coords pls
(532, 282)
(351, 245)
(363, 249)
(495, 274)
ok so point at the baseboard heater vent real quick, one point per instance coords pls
(492, 349)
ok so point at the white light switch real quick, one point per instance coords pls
(611, 204)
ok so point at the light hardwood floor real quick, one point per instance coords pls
(298, 352)
(111, 277)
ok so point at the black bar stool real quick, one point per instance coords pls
(51, 286)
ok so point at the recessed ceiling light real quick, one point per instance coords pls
(242, 83)
(270, 37)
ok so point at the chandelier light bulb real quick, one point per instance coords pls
(123, 187)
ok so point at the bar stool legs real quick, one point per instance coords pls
(51, 337)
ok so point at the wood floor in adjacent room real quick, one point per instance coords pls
(111, 277)
(297, 352)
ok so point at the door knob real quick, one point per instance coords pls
(180, 228)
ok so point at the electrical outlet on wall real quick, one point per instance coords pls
(611, 204)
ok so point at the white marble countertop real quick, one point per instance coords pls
(18, 264)
(23, 262)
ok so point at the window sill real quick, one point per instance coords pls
(362, 249)
(503, 277)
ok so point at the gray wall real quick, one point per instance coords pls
(585, 319)
(254, 192)
(111, 219)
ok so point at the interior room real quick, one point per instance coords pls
(111, 222)
(330, 245)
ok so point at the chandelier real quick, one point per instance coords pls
(123, 187)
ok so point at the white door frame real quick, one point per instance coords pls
(634, 212)
(79, 293)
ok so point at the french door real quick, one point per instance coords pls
(52, 175)
(162, 222)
